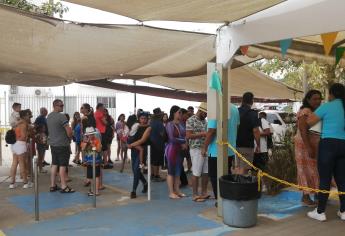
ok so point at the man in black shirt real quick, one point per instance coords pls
(248, 132)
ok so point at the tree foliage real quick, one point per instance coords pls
(291, 73)
(46, 8)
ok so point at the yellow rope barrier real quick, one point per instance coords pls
(261, 174)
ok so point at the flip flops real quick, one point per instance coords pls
(198, 199)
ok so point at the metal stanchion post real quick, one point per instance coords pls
(149, 173)
(35, 165)
(94, 176)
(31, 161)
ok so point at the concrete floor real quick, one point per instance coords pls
(116, 214)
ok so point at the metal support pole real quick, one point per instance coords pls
(149, 173)
(37, 212)
(135, 99)
(31, 163)
(0, 148)
(94, 176)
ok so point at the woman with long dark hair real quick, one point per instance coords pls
(176, 143)
(76, 130)
(306, 146)
(331, 156)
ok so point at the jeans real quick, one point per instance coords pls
(331, 162)
(212, 172)
(136, 170)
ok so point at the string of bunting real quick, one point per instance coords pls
(261, 174)
(328, 40)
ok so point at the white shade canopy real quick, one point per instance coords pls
(181, 10)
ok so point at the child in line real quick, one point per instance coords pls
(42, 145)
(91, 145)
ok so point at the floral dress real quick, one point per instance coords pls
(307, 174)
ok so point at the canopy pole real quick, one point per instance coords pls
(135, 98)
(222, 130)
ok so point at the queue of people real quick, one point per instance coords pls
(319, 145)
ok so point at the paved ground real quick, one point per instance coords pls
(116, 214)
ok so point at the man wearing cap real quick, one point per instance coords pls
(157, 138)
(196, 133)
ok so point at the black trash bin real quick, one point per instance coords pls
(240, 200)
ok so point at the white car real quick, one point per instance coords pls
(280, 122)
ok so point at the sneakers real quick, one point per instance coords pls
(12, 186)
(28, 185)
(317, 216)
(341, 215)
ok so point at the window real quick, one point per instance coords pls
(109, 102)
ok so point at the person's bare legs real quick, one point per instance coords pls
(204, 182)
(123, 158)
(195, 186)
(140, 149)
(177, 185)
(170, 182)
(53, 176)
(14, 167)
(118, 149)
(23, 168)
(40, 156)
(63, 176)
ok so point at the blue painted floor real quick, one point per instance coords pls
(161, 216)
(50, 201)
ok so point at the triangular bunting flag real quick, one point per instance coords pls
(244, 50)
(284, 45)
(328, 40)
(339, 54)
(215, 82)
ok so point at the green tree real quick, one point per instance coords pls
(291, 73)
(46, 8)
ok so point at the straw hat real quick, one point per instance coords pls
(90, 131)
(203, 107)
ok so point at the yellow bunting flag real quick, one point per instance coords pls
(244, 50)
(328, 41)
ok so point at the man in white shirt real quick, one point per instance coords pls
(261, 158)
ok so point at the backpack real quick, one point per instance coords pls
(10, 137)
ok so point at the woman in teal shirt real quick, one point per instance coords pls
(331, 158)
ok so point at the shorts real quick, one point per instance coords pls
(89, 171)
(19, 148)
(41, 148)
(60, 155)
(260, 160)
(199, 162)
(105, 142)
(157, 156)
(248, 153)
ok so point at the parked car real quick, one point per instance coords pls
(280, 121)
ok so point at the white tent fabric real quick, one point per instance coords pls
(180, 10)
(290, 19)
(242, 79)
(46, 51)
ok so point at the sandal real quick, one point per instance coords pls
(90, 194)
(174, 197)
(67, 190)
(102, 188)
(205, 197)
(54, 189)
(181, 195)
(87, 184)
(198, 199)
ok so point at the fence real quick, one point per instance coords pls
(34, 103)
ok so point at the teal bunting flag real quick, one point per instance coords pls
(284, 45)
(215, 82)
